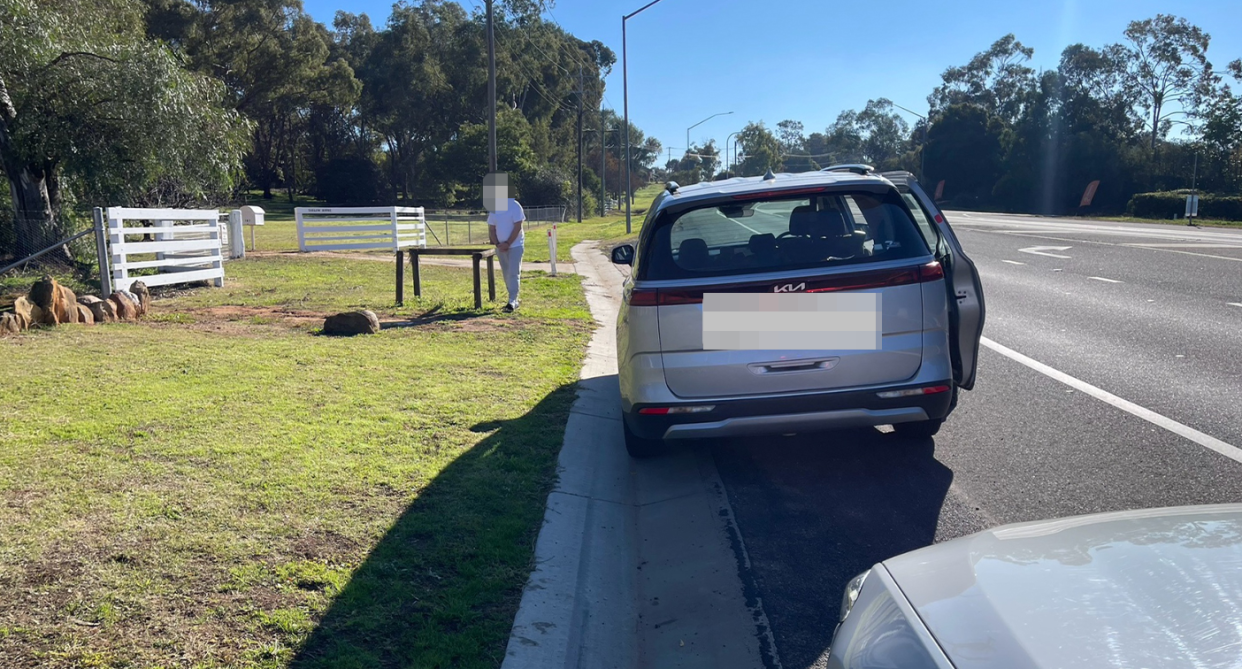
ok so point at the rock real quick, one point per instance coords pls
(104, 311)
(85, 315)
(88, 300)
(47, 296)
(351, 323)
(23, 321)
(36, 315)
(140, 290)
(69, 314)
(9, 324)
(23, 307)
(124, 305)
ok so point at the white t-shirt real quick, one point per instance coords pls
(505, 220)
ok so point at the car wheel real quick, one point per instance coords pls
(923, 429)
(638, 447)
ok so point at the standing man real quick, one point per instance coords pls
(504, 229)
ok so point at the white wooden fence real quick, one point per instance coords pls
(186, 246)
(357, 228)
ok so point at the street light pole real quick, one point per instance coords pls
(923, 150)
(701, 123)
(728, 164)
(625, 93)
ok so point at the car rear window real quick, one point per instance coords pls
(841, 228)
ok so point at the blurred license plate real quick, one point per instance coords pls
(797, 321)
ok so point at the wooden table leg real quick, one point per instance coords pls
(478, 293)
(418, 278)
(400, 279)
(491, 278)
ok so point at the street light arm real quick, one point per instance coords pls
(909, 110)
(636, 13)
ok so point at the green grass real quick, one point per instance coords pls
(219, 486)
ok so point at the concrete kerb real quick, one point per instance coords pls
(638, 564)
(579, 605)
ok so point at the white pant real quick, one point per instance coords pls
(510, 267)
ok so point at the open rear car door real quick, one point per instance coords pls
(966, 307)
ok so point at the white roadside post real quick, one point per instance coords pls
(1192, 208)
(237, 242)
(552, 247)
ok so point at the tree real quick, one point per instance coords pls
(761, 150)
(995, 80)
(90, 107)
(964, 149)
(884, 133)
(1166, 65)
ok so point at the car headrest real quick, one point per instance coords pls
(830, 223)
(762, 244)
(802, 220)
(692, 253)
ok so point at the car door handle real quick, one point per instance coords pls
(793, 366)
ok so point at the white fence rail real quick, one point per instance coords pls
(185, 246)
(359, 228)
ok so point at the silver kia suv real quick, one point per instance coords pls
(794, 302)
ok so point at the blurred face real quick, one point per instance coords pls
(496, 191)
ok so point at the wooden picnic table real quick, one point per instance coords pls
(476, 254)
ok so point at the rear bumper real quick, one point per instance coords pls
(802, 413)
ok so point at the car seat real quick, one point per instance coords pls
(692, 254)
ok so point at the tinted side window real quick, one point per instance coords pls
(790, 233)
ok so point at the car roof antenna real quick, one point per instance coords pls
(770, 175)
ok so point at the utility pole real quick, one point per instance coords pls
(491, 91)
(625, 93)
(579, 142)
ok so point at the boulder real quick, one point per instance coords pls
(140, 290)
(101, 309)
(67, 302)
(351, 323)
(47, 296)
(23, 307)
(9, 324)
(104, 311)
(124, 306)
(36, 315)
(85, 315)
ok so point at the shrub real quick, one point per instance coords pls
(1172, 204)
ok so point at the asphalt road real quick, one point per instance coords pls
(1151, 314)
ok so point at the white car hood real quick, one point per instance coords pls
(1151, 588)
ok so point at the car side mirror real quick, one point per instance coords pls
(623, 255)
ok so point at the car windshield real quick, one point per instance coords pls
(841, 228)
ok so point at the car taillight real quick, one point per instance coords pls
(643, 298)
(665, 298)
(931, 272)
(763, 195)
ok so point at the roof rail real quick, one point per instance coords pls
(671, 186)
(856, 168)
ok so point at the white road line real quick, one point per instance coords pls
(1043, 251)
(1234, 304)
(1205, 440)
(1100, 278)
(1013, 262)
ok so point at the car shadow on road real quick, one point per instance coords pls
(817, 509)
(440, 588)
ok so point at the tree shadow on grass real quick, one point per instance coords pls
(442, 586)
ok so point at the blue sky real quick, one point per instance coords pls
(769, 60)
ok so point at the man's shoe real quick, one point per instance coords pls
(508, 309)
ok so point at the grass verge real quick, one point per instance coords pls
(220, 487)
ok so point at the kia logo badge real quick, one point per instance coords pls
(789, 288)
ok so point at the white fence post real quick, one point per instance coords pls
(360, 228)
(237, 240)
(183, 253)
(552, 247)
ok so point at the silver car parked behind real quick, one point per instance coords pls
(794, 302)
